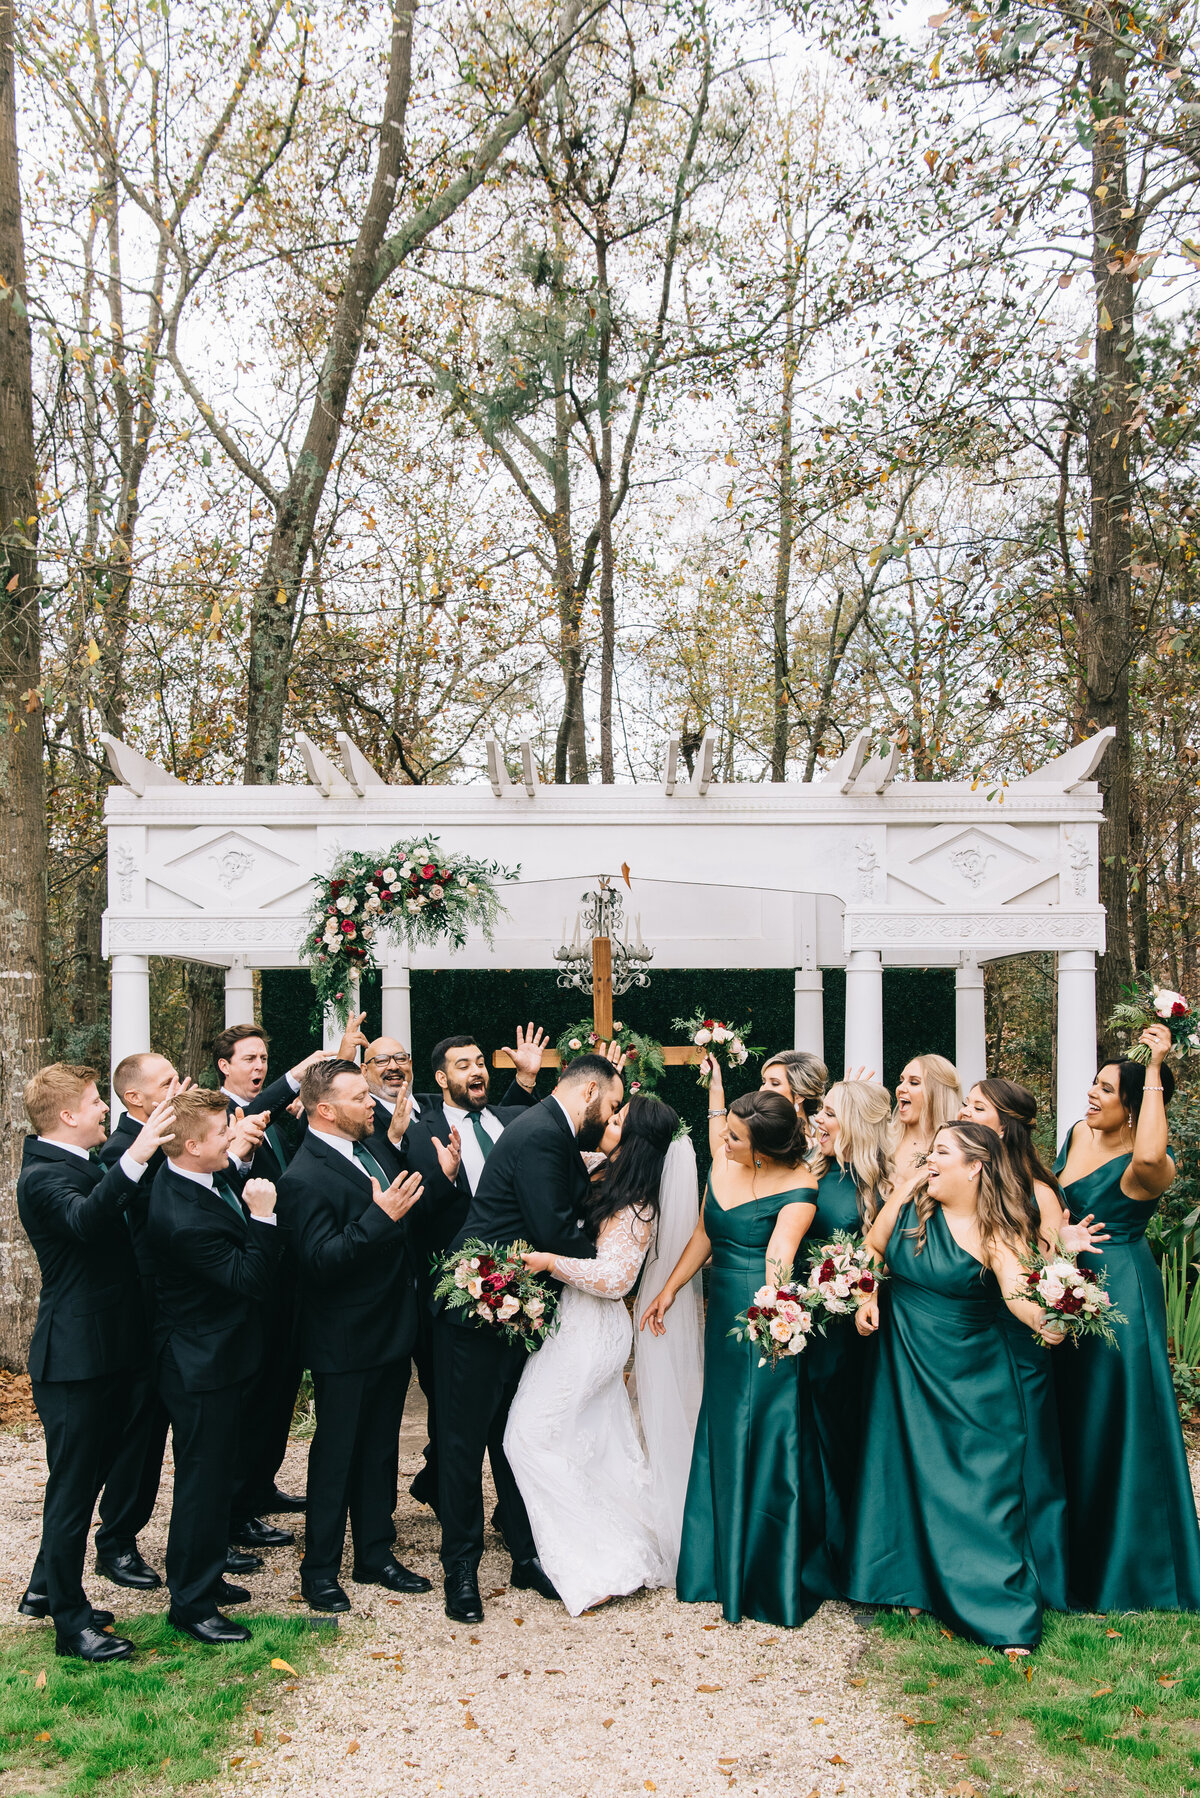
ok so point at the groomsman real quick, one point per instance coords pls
(457, 1115)
(343, 1200)
(214, 1258)
(387, 1066)
(89, 1342)
(532, 1189)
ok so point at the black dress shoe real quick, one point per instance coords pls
(323, 1595)
(277, 1501)
(37, 1604)
(395, 1577)
(224, 1593)
(463, 1603)
(252, 1532)
(237, 1562)
(216, 1630)
(93, 1645)
(128, 1569)
(531, 1576)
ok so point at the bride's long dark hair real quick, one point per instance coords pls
(633, 1172)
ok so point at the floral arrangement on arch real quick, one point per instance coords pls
(645, 1066)
(726, 1043)
(415, 892)
(1147, 1003)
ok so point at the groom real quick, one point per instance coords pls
(531, 1190)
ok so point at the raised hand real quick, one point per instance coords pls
(401, 1116)
(656, 1312)
(1077, 1239)
(352, 1037)
(710, 1066)
(259, 1196)
(154, 1132)
(863, 1073)
(248, 1133)
(527, 1056)
(400, 1196)
(178, 1086)
(449, 1154)
(1156, 1038)
(612, 1052)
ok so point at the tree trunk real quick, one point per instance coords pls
(1103, 613)
(204, 990)
(787, 520)
(23, 864)
(608, 619)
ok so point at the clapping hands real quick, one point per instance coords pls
(400, 1196)
(156, 1130)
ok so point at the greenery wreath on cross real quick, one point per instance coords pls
(415, 891)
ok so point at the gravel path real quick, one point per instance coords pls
(646, 1695)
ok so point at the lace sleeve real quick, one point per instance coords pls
(619, 1250)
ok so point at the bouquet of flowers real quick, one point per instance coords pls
(842, 1274)
(726, 1043)
(778, 1323)
(1148, 1003)
(415, 890)
(1071, 1294)
(643, 1056)
(496, 1288)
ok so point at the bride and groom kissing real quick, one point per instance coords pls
(585, 1511)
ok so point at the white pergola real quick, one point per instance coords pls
(856, 870)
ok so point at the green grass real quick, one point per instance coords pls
(1107, 1707)
(176, 1712)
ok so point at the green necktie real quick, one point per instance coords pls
(230, 1197)
(271, 1136)
(485, 1142)
(369, 1165)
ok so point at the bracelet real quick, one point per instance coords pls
(718, 1114)
(1151, 1089)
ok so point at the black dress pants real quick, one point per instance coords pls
(476, 1373)
(83, 1420)
(352, 1468)
(270, 1402)
(422, 1358)
(206, 1428)
(131, 1489)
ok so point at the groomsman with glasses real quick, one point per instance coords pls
(344, 1202)
(89, 1343)
(214, 1258)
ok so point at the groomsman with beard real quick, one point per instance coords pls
(457, 1115)
(343, 1204)
(214, 1258)
(531, 1190)
(89, 1342)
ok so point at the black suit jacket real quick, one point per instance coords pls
(532, 1188)
(275, 1098)
(441, 1211)
(124, 1133)
(212, 1272)
(358, 1303)
(90, 1319)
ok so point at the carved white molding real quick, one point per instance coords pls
(1082, 860)
(867, 867)
(217, 934)
(125, 866)
(972, 865)
(998, 932)
(233, 866)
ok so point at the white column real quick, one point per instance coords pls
(1076, 1034)
(810, 1011)
(130, 1004)
(397, 997)
(970, 1023)
(864, 1012)
(239, 995)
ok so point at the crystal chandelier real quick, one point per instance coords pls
(602, 915)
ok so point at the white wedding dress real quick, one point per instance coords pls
(606, 1517)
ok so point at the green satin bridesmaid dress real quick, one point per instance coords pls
(940, 1517)
(1133, 1540)
(836, 1362)
(753, 1524)
(1045, 1486)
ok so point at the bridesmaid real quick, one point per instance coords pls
(940, 1523)
(1133, 1541)
(927, 1096)
(1011, 1111)
(753, 1524)
(852, 1173)
(801, 1078)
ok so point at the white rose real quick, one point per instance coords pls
(368, 931)
(436, 893)
(421, 901)
(701, 1037)
(781, 1329)
(484, 1311)
(389, 876)
(739, 1053)
(475, 1286)
(461, 1276)
(373, 903)
(1165, 1001)
(766, 1295)
(534, 1307)
(412, 904)
(720, 1034)
(617, 1028)
(508, 1308)
(471, 887)
(1051, 1289)
(345, 903)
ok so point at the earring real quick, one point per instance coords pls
(1129, 1122)
(758, 1161)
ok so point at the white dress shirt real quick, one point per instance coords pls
(206, 1180)
(342, 1144)
(472, 1154)
(565, 1112)
(132, 1170)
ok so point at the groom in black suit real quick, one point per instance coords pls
(531, 1190)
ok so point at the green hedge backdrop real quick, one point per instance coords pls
(918, 1016)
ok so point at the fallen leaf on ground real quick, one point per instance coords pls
(837, 1760)
(554, 1670)
(964, 1789)
(282, 1667)
(1113, 1632)
(42, 1736)
(258, 1738)
(708, 1688)
(469, 1721)
(959, 1757)
(858, 1682)
(237, 1760)
(649, 1785)
(657, 1682)
(710, 1626)
(351, 1747)
(608, 1723)
(1102, 1692)
(949, 1634)
(517, 1620)
(984, 1662)
(40, 1681)
(1164, 1681)
(284, 1736)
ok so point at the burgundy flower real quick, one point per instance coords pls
(336, 887)
(828, 1270)
(347, 927)
(428, 871)
(1179, 1009)
(385, 894)
(753, 1311)
(866, 1282)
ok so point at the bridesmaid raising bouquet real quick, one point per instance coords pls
(940, 1524)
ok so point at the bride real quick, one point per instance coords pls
(607, 1514)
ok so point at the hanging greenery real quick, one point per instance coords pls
(415, 893)
(643, 1056)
